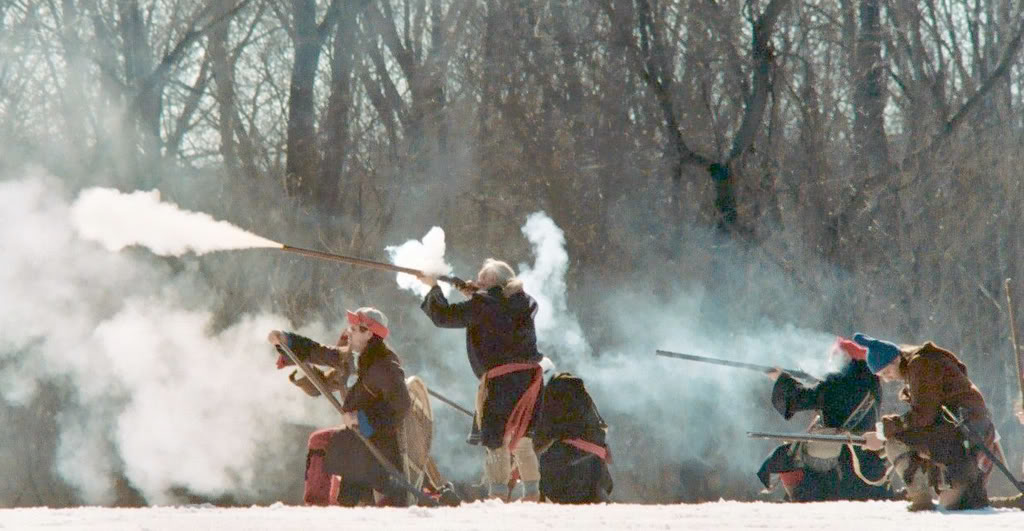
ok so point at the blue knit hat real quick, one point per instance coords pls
(880, 353)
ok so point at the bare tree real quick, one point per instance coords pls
(303, 158)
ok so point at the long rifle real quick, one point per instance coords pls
(1013, 337)
(796, 373)
(975, 439)
(455, 281)
(450, 402)
(847, 438)
(396, 477)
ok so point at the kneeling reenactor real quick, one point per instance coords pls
(923, 445)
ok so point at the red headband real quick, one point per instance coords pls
(357, 319)
(853, 350)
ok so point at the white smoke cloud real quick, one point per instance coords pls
(184, 386)
(117, 220)
(86, 457)
(426, 255)
(685, 411)
(558, 329)
(155, 394)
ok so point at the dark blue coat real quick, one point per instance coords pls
(499, 330)
(835, 398)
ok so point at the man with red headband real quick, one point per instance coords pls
(847, 402)
(376, 405)
(502, 346)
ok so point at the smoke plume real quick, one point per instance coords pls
(154, 393)
(557, 326)
(117, 220)
(427, 255)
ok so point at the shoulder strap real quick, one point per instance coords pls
(861, 411)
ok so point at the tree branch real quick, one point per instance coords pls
(764, 59)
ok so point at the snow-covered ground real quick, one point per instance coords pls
(492, 516)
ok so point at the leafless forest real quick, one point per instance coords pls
(840, 165)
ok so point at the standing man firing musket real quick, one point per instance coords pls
(923, 445)
(501, 342)
(847, 402)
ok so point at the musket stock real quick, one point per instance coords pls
(796, 373)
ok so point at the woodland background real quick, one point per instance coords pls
(866, 152)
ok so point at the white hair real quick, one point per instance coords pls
(498, 273)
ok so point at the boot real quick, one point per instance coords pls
(919, 491)
(531, 491)
(448, 497)
(318, 480)
(967, 488)
(913, 469)
(497, 491)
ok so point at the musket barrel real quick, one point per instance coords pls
(457, 282)
(738, 364)
(808, 437)
(351, 260)
(450, 402)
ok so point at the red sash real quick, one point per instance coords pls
(593, 448)
(519, 419)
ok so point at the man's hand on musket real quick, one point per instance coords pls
(468, 289)
(872, 441)
(774, 373)
(429, 280)
(276, 338)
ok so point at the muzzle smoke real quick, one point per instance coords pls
(153, 394)
(427, 255)
(117, 220)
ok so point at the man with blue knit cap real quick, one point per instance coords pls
(923, 445)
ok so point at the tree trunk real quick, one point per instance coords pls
(224, 75)
(303, 159)
(871, 149)
(139, 63)
(336, 120)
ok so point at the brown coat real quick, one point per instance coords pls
(380, 399)
(935, 378)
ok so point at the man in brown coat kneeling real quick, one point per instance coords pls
(923, 445)
(375, 405)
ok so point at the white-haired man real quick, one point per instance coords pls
(501, 343)
(376, 405)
